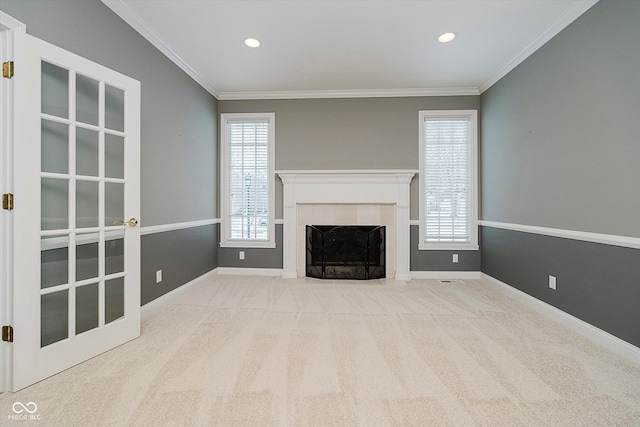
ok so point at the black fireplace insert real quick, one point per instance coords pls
(346, 252)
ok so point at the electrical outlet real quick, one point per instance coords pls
(552, 282)
(158, 276)
(241, 254)
(455, 258)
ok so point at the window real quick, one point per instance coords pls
(247, 180)
(448, 180)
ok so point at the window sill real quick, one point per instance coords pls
(448, 247)
(248, 244)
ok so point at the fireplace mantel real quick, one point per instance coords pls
(352, 187)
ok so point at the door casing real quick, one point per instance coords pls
(8, 27)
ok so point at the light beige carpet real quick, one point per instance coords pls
(247, 351)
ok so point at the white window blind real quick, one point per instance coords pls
(448, 170)
(248, 179)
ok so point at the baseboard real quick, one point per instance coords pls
(469, 275)
(593, 333)
(161, 301)
(238, 271)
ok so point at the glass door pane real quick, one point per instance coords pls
(114, 108)
(54, 317)
(114, 299)
(54, 154)
(54, 261)
(54, 204)
(114, 156)
(87, 93)
(87, 308)
(114, 203)
(55, 90)
(87, 152)
(87, 256)
(87, 204)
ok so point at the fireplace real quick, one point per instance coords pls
(342, 197)
(345, 252)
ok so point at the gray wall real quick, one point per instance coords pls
(440, 260)
(362, 133)
(191, 248)
(253, 257)
(179, 122)
(597, 283)
(560, 143)
(561, 149)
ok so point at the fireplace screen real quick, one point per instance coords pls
(345, 252)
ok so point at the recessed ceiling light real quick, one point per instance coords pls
(446, 37)
(251, 42)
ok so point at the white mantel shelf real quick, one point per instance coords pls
(349, 175)
(383, 187)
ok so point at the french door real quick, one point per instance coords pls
(76, 252)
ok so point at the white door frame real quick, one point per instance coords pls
(8, 27)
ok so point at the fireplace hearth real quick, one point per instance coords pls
(345, 251)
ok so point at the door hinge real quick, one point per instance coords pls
(7, 333)
(7, 202)
(7, 69)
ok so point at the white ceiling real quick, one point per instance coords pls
(347, 48)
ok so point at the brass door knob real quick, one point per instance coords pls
(131, 223)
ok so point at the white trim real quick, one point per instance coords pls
(8, 22)
(597, 335)
(472, 116)
(239, 271)
(258, 244)
(177, 226)
(448, 247)
(574, 12)
(224, 188)
(465, 275)
(371, 175)
(369, 93)
(386, 187)
(8, 26)
(414, 222)
(161, 301)
(130, 17)
(607, 239)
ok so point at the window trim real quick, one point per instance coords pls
(224, 190)
(472, 115)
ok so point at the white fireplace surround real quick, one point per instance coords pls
(384, 188)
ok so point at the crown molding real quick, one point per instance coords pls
(8, 22)
(129, 16)
(373, 93)
(574, 12)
